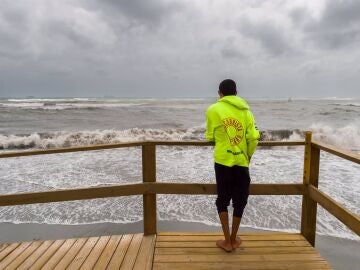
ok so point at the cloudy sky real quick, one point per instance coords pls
(164, 48)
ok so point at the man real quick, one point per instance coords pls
(231, 125)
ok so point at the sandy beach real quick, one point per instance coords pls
(341, 253)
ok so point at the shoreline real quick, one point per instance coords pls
(340, 253)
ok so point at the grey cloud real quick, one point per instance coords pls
(143, 11)
(298, 15)
(231, 49)
(13, 25)
(338, 26)
(271, 38)
(63, 33)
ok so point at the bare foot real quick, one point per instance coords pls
(236, 243)
(224, 245)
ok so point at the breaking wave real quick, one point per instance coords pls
(345, 137)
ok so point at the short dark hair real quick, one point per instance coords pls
(227, 87)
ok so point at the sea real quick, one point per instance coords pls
(45, 123)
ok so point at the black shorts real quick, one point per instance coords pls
(233, 183)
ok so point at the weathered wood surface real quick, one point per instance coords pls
(105, 252)
(168, 250)
(258, 251)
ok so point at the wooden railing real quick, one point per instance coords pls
(149, 187)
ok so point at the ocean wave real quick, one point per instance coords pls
(68, 139)
(352, 104)
(55, 105)
(345, 137)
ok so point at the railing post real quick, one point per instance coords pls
(149, 200)
(310, 177)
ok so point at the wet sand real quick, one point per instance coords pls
(342, 254)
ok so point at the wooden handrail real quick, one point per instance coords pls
(351, 156)
(147, 188)
(132, 144)
(70, 149)
(351, 220)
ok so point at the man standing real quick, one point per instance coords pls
(231, 125)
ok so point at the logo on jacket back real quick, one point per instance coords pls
(234, 130)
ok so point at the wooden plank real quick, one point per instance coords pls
(228, 257)
(14, 254)
(201, 244)
(144, 259)
(351, 220)
(220, 233)
(149, 200)
(70, 149)
(132, 252)
(348, 155)
(200, 188)
(310, 177)
(83, 253)
(316, 265)
(57, 256)
(238, 251)
(3, 246)
(120, 252)
(70, 254)
(44, 258)
(270, 237)
(8, 250)
(36, 255)
(108, 252)
(72, 194)
(24, 255)
(95, 253)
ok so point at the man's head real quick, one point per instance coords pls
(227, 88)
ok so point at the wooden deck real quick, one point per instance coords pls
(169, 250)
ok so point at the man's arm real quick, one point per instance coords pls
(252, 135)
(209, 133)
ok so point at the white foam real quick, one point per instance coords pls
(67, 139)
(345, 137)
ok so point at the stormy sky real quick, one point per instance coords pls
(164, 48)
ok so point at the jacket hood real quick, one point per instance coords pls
(236, 101)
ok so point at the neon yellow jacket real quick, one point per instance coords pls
(231, 125)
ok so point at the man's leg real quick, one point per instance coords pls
(235, 241)
(240, 194)
(222, 202)
(225, 244)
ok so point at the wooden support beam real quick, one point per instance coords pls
(351, 220)
(310, 177)
(149, 200)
